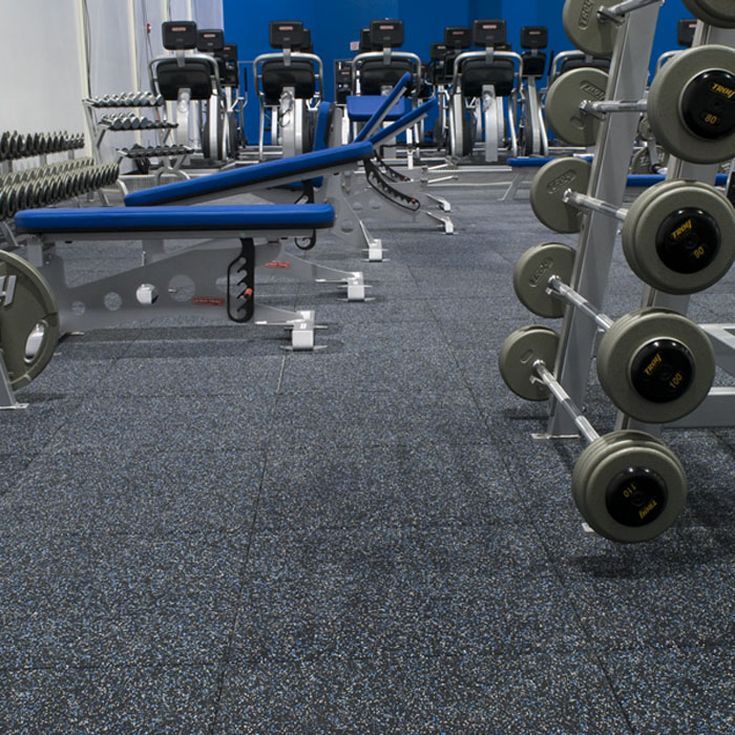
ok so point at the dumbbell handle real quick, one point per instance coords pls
(558, 287)
(619, 11)
(564, 400)
(583, 201)
(603, 107)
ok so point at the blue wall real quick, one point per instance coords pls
(334, 23)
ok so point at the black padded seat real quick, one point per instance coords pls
(376, 74)
(580, 63)
(534, 65)
(195, 75)
(477, 73)
(299, 74)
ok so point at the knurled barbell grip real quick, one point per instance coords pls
(586, 430)
(566, 292)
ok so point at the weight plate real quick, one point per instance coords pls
(691, 105)
(31, 305)
(563, 101)
(519, 353)
(547, 192)
(640, 203)
(656, 365)
(634, 490)
(680, 237)
(586, 30)
(531, 277)
(719, 13)
(588, 458)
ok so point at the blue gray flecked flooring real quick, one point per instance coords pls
(201, 533)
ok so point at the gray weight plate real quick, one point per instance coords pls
(586, 30)
(563, 101)
(680, 238)
(633, 491)
(640, 203)
(531, 277)
(588, 459)
(719, 13)
(519, 353)
(27, 305)
(547, 192)
(691, 105)
(656, 365)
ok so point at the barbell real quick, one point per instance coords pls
(690, 106)
(628, 486)
(656, 365)
(593, 24)
(678, 236)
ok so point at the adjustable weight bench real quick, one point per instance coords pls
(317, 175)
(205, 279)
(273, 181)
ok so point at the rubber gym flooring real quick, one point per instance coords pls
(202, 533)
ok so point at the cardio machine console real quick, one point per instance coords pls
(211, 41)
(289, 34)
(386, 34)
(457, 37)
(685, 32)
(490, 33)
(179, 35)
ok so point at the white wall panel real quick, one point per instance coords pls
(41, 59)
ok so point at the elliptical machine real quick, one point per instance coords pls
(484, 96)
(443, 55)
(190, 79)
(533, 135)
(290, 87)
(216, 111)
(375, 72)
(234, 101)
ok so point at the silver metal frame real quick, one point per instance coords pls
(490, 110)
(288, 119)
(185, 106)
(719, 408)
(628, 79)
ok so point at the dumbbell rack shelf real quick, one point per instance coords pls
(171, 157)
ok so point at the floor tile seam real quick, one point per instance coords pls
(239, 607)
(65, 667)
(541, 539)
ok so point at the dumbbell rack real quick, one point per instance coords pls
(615, 145)
(16, 146)
(100, 122)
(719, 408)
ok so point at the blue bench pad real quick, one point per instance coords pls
(361, 109)
(270, 217)
(306, 166)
